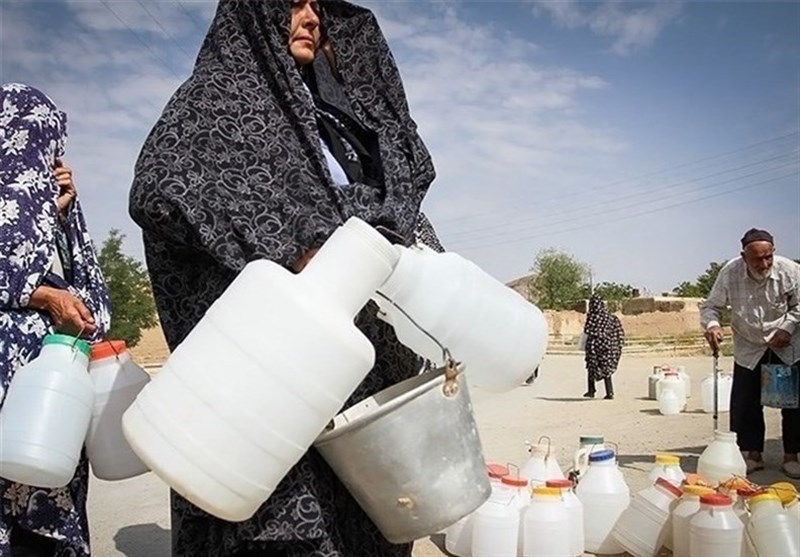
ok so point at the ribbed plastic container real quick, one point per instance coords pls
(574, 514)
(546, 525)
(721, 459)
(687, 507)
(46, 414)
(772, 530)
(495, 528)
(243, 397)
(458, 537)
(497, 334)
(715, 531)
(604, 495)
(117, 380)
(668, 467)
(724, 384)
(645, 526)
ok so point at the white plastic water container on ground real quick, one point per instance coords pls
(458, 537)
(243, 397)
(117, 380)
(771, 529)
(686, 378)
(495, 529)
(46, 414)
(652, 382)
(724, 384)
(715, 531)
(497, 334)
(671, 383)
(668, 467)
(546, 525)
(687, 507)
(721, 459)
(604, 495)
(645, 526)
(574, 514)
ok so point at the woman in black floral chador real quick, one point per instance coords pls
(49, 281)
(284, 130)
(604, 340)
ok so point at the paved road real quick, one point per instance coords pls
(131, 518)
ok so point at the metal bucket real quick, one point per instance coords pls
(410, 455)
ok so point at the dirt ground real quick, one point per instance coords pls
(131, 518)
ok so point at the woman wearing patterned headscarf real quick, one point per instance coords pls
(604, 340)
(50, 281)
(283, 131)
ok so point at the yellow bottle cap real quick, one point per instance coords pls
(761, 497)
(667, 459)
(786, 491)
(697, 490)
(547, 491)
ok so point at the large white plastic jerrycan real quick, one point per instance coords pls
(497, 335)
(243, 397)
(46, 414)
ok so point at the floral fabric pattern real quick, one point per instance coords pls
(32, 135)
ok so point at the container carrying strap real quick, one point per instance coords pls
(450, 365)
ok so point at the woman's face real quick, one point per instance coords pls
(304, 33)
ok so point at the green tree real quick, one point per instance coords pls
(132, 306)
(558, 280)
(614, 293)
(702, 286)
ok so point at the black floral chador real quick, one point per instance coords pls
(234, 171)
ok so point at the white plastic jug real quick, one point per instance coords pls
(250, 388)
(495, 529)
(604, 495)
(669, 402)
(668, 467)
(458, 537)
(721, 459)
(46, 414)
(715, 531)
(652, 382)
(671, 382)
(646, 525)
(546, 525)
(771, 529)
(574, 515)
(588, 444)
(687, 507)
(497, 334)
(542, 464)
(117, 380)
(724, 384)
(686, 378)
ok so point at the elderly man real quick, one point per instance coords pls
(763, 291)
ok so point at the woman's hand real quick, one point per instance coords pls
(66, 187)
(69, 314)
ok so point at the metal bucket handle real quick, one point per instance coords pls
(450, 388)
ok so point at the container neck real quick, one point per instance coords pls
(351, 265)
(66, 353)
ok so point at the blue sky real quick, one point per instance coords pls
(642, 138)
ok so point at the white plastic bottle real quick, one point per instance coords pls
(715, 531)
(668, 467)
(46, 414)
(587, 444)
(574, 514)
(646, 525)
(687, 507)
(771, 529)
(546, 525)
(242, 398)
(495, 528)
(604, 495)
(724, 383)
(117, 380)
(671, 394)
(721, 459)
(497, 334)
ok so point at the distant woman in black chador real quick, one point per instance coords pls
(604, 340)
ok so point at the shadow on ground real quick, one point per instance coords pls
(143, 540)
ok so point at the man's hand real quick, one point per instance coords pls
(714, 337)
(70, 315)
(779, 339)
(66, 187)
